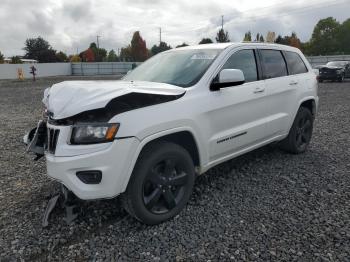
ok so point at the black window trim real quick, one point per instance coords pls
(258, 64)
(263, 66)
(285, 59)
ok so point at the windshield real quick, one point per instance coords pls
(179, 67)
(337, 63)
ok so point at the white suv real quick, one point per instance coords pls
(176, 115)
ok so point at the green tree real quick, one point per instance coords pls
(16, 60)
(281, 40)
(261, 39)
(222, 36)
(182, 45)
(324, 40)
(125, 54)
(257, 38)
(205, 41)
(39, 49)
(247, 37)
(160, 48)
(1, 58)
(61, 57)
(139, 50)
(344, 37)
(100, 54)
(112, 56)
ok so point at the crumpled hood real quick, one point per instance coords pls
(69, 98)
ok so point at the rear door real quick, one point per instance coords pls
(281, 91)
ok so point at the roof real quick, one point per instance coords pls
(232, 44)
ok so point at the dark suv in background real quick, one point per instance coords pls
(334, 71)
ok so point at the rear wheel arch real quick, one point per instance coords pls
(309, 104)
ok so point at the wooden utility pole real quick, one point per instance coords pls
(160, 35)
(222, 22)
(98, 48)
(98, 44)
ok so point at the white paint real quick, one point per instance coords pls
(73, 97)
(225, 123)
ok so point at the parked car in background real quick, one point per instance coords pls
(175, 116)
(334, 71)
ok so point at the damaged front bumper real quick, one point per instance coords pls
(36, 140)
(65, 163)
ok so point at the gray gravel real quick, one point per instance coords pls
(266, 205)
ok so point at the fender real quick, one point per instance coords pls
(315, 99)
(155, 136)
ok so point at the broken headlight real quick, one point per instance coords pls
(93, 133)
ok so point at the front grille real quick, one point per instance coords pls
(52, 137)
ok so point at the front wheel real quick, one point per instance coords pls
(161, 183)
(300, 133)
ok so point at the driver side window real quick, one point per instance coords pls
(245, 61)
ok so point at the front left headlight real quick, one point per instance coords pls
(84, 134)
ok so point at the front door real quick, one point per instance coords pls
(237, 116)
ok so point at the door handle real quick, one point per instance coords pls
(259, 90)
(293, 83)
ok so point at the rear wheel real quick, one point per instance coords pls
(161, 183)
(300, 133)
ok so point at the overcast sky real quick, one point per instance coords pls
(72, 24)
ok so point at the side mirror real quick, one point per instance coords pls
(226, 78)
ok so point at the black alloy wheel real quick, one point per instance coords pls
(300, 133)
(161, 183)
(165, 185)
(303, 132)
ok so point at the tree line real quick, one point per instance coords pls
(329, 37)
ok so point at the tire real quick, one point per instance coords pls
(320, 80)
(161, 183)
(341, 79)
(300, 133)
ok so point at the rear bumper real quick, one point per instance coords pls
(115, 163)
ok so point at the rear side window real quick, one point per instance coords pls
(273, 63)
(245, 61)
(295, 63)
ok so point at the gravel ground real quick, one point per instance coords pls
(266, 205)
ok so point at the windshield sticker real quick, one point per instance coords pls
(202, 56)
